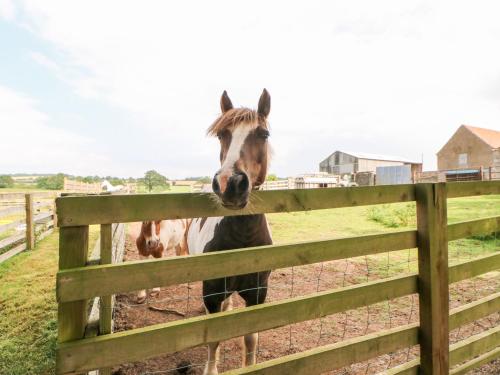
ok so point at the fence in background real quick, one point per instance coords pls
(75, 186)
(460, 175)
(77, 282)
(24, 220)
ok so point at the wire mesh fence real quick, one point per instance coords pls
(186, 300)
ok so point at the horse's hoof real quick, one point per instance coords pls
(141, 297)
(155, 292)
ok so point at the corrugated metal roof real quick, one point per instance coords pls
(365, 155)
(490, 136)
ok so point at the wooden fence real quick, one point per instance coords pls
(75, 186)
(77, 283)
(28, 218)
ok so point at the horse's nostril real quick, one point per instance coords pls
(215, 185)
(242, 182)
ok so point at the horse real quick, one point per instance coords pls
(108, 187)
(244, 154)
(158, 236)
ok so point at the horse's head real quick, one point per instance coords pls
(148, 242)
(244, 150)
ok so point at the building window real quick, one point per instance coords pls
(462, 160)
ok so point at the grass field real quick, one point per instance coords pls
(28, 307)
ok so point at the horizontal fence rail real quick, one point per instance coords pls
(142, 207)
(86, 282)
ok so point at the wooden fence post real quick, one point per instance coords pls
(432, 242)
(30, 224)
(106, 305)
(72, 316)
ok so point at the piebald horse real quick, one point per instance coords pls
(244, 155)
(159, 236)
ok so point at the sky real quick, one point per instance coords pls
(121, 87)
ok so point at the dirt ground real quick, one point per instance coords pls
(185, 301)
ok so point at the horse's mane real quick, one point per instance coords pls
(235, 116)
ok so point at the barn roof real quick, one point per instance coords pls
(368, 156)
(490, 136)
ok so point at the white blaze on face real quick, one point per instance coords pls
(238, 138)
(153, 236)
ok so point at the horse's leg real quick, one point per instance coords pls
(213, 302)
(253, 296)
(142, 295)
(183, 245)
(250, 356)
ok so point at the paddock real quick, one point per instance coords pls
(79, 282)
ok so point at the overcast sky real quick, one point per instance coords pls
(117, 88)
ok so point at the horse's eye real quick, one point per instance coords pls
(264, 134)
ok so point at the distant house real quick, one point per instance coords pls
(471, 148)
(343, 162)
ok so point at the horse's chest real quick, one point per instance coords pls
(201, 232)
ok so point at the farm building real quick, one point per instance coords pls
(342, 163)
(471, 149)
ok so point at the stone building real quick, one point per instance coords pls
(471, 148)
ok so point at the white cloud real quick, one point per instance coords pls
(29, 144)
(7, 10)
(384, 77)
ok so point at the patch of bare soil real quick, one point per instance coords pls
(183, 301)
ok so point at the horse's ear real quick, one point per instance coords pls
(264, 104)
(225, 102)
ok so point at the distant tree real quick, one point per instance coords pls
(153, 178)
(202, 179)
(205, 180)
(54, 182)
(91, 179)
(6, 181)
(272, 177)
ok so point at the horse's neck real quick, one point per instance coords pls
(248, 230)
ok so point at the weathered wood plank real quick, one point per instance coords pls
(475, 310)
(476, 362)
(330, 357)
(106, 301)
(473, 268)
(45, 194)
(9, 254)
(73, 248)
(105, 209)
(11, 225)
(11, 211)
(472, 188)
(475, 345)
(88, 282)
(30, 222)
(433, 278)
(11, 196)
(44, 204)
(42, 216)
(12, 239)
(138, 344)
(473, 227)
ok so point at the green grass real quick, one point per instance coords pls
(28, 309)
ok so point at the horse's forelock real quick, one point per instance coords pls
(233, 117)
